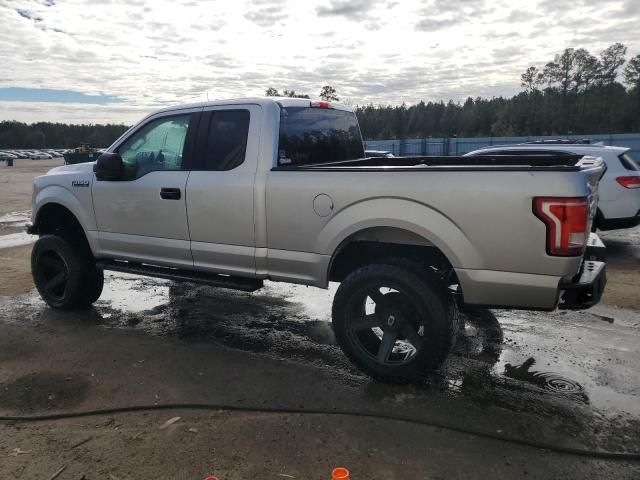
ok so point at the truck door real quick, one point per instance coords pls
(142, 216)
(220, 190)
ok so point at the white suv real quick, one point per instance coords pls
(619, 202)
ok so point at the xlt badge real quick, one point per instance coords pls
(80, 183)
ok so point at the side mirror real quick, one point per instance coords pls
(109, 166)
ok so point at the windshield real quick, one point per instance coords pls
(314, 135)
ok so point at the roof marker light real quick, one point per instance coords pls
(320, 104)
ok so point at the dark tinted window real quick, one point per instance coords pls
(317, 135)
(227, 139)
(628, 162)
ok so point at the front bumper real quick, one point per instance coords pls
(586, 288)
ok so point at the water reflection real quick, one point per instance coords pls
(550, 381)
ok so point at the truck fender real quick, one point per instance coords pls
(414, 217)
(55, 194)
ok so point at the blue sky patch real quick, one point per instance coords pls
(16, 94)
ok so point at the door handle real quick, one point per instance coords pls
(170, 193)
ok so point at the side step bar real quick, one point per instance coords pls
(222, 281)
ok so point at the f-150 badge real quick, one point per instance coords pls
(80, 183)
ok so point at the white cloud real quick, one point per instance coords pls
(162, 52)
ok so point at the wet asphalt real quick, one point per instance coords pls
(568, 378)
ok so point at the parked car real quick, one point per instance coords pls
(378, 153)
(7, 156)
(40, 156)
(619, 192)
(280, 191)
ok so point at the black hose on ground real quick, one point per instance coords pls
(603, 454)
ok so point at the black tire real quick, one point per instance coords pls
(439, 286)
(93, 287)
(397, 336)
(64, 274)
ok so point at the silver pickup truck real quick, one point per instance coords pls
(232, 193)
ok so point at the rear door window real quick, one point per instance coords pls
(318, 135)
(628, 162)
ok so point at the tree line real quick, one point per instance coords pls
(19, 135)
(57, 135)
(575, 93)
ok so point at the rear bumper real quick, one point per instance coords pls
(492, 289)
(586, 288)
(617, 223)
(495, 289)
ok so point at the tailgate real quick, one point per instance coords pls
(593, 168)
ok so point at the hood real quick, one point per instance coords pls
(86, 167)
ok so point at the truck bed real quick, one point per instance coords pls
(456, 163)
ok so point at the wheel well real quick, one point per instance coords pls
(370, 246)
(54, 219)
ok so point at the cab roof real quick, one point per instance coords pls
(282, 101)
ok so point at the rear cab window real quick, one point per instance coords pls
(310, 135)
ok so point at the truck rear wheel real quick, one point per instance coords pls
(65, 275)
(393, 324)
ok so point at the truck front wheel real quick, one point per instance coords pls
(392, 323)
(64, 274)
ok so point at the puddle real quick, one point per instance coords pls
(132, 293)
(41, 391)
(17, 239)
(284, 320)
(547, 380)
(15, 220)
(575, 354)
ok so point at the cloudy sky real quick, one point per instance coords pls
(105, 60)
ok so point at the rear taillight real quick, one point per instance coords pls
(566, 220)
(629, 182)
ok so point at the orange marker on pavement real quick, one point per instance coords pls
(340, 473)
